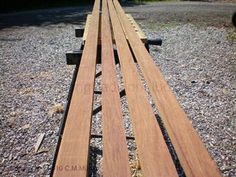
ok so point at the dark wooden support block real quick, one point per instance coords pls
(79, 32)
(73, 58)
(157, 41)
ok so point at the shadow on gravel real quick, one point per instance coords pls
(94, 153)
(170, 146)
(45, 17)
(73, 15)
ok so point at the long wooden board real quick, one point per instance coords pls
(154, 156)
(115, 152)
(88, 21)
(72, 158)
(192, 154)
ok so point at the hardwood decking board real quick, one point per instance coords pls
(72, 158)
(115, 152)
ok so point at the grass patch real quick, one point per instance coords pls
(141, 1)
(157, 26)
(231, 37)
(19, 5)
(57, 108)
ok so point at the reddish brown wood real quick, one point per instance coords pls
(192, 154)
(154, 156)
(72, 158)
(115, 153)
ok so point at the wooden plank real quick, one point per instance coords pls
(88, 21)
(72, 158)
(192, 154)
(154, 156)
(137, 29)
(115, 152)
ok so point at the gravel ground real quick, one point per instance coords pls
(197, 58)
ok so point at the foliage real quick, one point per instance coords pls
(12, 5)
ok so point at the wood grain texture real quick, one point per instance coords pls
(88, 21)
(154, 156)
(137, 29)
(115, 152)
(72, 158)
(192, 154)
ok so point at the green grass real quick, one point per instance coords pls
(19, 5)
(231, 37)
(141, 1)
(157, 26)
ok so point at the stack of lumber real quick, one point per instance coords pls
(155, 158)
